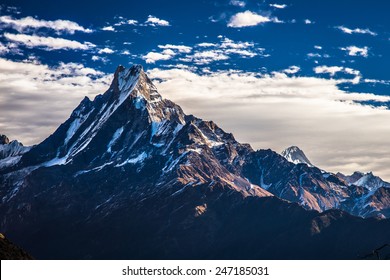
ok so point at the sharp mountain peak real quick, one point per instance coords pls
(295, 155)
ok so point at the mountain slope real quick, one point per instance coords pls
(10, 152)
(129, 175)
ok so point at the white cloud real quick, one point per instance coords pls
(228, 43)
(303, 111)
(318, 47)
(205, 53)
(356, 51)
(206, 45)
(3, 48)
(376, 81)
(152, 57)
(351, 71)
(154, 21)
(49, 43)
(243, 53)
(278, 6)
(180, 48)
(221, 51)
(313, 55)
(106, 50)
(108, 28)
(332, 70)
(356, 30)
(59, 25)
(35, 98)
(237, 3)
(132, 22)
(308, 21)
(292, 70)
(99, 58)
(249, 18)
(206, 57)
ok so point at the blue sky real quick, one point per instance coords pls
(291, 64)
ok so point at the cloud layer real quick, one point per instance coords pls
(279, 110)
(37, 98)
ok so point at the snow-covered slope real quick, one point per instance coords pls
(10, 152)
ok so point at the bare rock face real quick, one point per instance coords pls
(3, 139)
(130, 175)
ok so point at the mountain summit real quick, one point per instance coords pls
(296, 155)
(130, 175)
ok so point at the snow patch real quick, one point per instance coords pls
(9, 161)
(98, 168)
(114, 139)
(55, 161)
(140, 158)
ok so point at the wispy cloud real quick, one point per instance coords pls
(206, 57)
(278, 6)
(180, 48)
(356, 30)
(132, 22)
(99, 58)
(204, 53)
(3, 48)
(60, 26)
(292, 70)
(248, 18)
(48, 43)
(155, 21)
(108, 28)
(237, 3)
(206, 45)
(308, 21)
(356, 51)
(333, 70)
(207, 53)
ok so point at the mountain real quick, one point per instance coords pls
(368, 180)
(10, 152)
(295, 155)
(130, 175)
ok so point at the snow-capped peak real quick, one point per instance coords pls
(296, 155)
(10, 152)
(371, 182)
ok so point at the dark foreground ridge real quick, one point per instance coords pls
(9, 251)
(130, 176)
